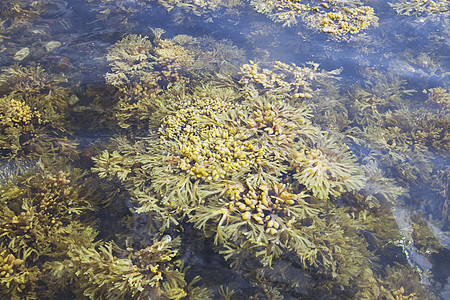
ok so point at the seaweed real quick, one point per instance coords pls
(40, 208)
(141, 69)
(104, 270)
(39, 202)
(420, 7)
(299, 82)
(328, 169)
(337, 18)
(18, 280)
(222, 157)
(424, 239)
(207, 10)
(243, 160)
(438, 97)
(33, 113)
(399, 282)
(18, 14)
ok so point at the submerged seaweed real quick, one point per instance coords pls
(253, 173)
(142, 68)
(33, 110)
(337, 18)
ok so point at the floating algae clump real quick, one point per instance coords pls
(338, 18)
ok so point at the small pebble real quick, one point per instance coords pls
(22, 54)
(52, 45)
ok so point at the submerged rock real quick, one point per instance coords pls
(22, 54)
(52, 45)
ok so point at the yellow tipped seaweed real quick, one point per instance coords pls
(337, 18)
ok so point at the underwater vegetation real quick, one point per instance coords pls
(38, 208)
(33, 110)
(120, 12)
(48, 244)
(421, 8)
(299, 82)
(409, 139)
(398, 283)
(438, 97)
(16, 280)
(208, 10)
(328, 169)
(235, 161)
(141, 68)
(18, 14)
(180, 11)
(337, 18)
(37, 203)
(105, 271)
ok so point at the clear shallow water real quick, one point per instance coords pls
(375, 105)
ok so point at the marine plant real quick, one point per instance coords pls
(337, 18)
(299, 82)
(420, 7)
(208, 10)
(380, 94)
(397, 282)
(328, 169)
(37, 203)
(33, 110)
(223, 157)
(404, 139)
(126, 6)
(308, 84)
(43, 91)
(40, 209)
(104, 270)
(378, 188)
(17, 280)
(143, 68)
(283, 225)
(205, 138)
(440, 185)
(425, 240)
(19, 126)
(438, 97)
(242, 160)
(17, 14)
